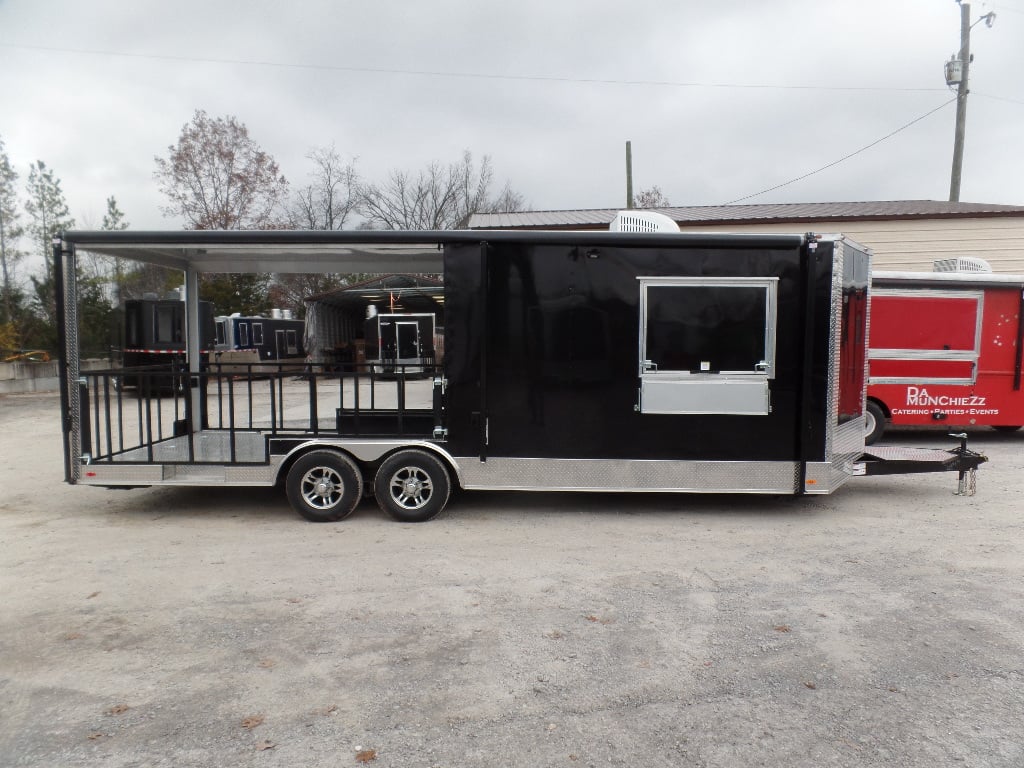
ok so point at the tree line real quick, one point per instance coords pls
(216, 176)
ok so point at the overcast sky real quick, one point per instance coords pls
(720, 99)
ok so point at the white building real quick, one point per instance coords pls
(904, 234)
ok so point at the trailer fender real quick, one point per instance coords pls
(446, 458)
(367, 454)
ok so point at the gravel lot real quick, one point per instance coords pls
(880, 626)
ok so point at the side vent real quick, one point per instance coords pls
(642, 221)
(961, 264)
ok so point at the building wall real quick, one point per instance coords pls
(913, 244)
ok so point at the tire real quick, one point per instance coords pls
(1006, 427)
(412, 486)
(874, 422)
(324, 486)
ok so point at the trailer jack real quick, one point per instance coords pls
(885, 460)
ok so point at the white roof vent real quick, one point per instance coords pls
(961, 264)
(642, 221)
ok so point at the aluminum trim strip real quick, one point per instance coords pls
(941, 355)
(537, 474)
(921, 380)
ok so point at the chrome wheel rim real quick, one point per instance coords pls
(411, 488)
(322, 488)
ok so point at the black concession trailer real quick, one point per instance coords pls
(583, 361)
(397, 341)
(153, 337)
(278, 337)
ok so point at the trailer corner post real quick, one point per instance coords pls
(485, 287)
(193, 333)
(805, 425)
(66, 302)
(1018, 355)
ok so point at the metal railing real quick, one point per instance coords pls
(135, 414)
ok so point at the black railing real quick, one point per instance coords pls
(145, 414)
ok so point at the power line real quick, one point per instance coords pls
(1003, 8)
(845, 157)
(471, 75)
(997, 98)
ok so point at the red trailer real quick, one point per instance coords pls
(945, 348)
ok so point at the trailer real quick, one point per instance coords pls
(945, 349)
(152, 337)
(278, 337)
(574, 361)
(399, 341)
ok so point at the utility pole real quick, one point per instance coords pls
(961, 102)
(963, 58)
(629, 175)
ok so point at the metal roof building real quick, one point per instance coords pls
(904, 234)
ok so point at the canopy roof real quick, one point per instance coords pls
(357, 251)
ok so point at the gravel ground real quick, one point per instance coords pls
(880, 626)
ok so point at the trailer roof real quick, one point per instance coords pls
(360, 251)
(947, 278)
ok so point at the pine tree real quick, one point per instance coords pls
(10, 231)
(47, 210)
(48, 215)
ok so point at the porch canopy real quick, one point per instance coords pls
(308, 251)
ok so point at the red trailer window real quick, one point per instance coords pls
(924, 322)
(852, 353)
(925, 335)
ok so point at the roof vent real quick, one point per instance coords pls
(961, 264)
(642, 221)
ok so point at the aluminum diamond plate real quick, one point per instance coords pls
(625, 475)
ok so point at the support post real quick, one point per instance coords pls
(193, 338)
(66, 298)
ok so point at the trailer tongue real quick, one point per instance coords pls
(894, 460)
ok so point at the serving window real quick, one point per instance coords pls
(707, 345)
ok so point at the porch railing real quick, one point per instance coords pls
(134, 414)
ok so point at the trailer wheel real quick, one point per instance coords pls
(412, 486)
(324, 486)
(874, 422)
(1006, 427)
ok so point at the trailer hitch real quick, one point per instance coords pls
(892, 460)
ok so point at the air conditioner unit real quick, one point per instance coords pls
(642, 221)
(961, 264)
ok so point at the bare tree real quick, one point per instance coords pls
(328, 203)
(507, 201)
(437, 197)
(217, 177)
(651, 198)
(333, 196)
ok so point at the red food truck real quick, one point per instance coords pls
(945, 348)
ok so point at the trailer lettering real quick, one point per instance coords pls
(947, 412)
(919, 396)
